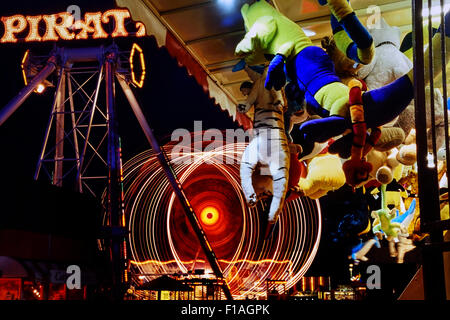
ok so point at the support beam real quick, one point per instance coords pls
(17, 101)
(60, 133)
(114, 204)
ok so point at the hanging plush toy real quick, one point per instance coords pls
(269, 147)
(407, 153)
(346, 69)
(324, 174)
(350, 35)
(393, 226)
(383, 223)
(388, 63)
(271, 33)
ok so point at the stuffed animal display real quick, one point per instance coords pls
(271, 33)
(359, 125)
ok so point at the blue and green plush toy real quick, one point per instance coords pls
(350, 35)
(272, 35)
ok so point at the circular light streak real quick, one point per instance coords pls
(162, 241)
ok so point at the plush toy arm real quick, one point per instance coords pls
(253, 75)
(258, 37)
(276, 78)
(372, 140)
(251, 99)
(361, 253)
(286, 48)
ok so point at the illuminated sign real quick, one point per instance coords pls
(62, 26)
(138, 49)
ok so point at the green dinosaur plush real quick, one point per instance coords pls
(383, 219)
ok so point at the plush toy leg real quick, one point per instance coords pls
(350, 35)
(384, 104)
(361, 254)
(320, 130)
(405, 245)
(392, 249)
(248, 165)
(280, 186)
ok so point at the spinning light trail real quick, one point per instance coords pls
(162, 241)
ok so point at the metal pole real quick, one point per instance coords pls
(176, 185)
(434, 284)
(49, 127)
(114, 199)
(17, 101)
(60, 133)
(74, 128)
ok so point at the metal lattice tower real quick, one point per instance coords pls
(75, 143)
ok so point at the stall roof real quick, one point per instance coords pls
(209, 30)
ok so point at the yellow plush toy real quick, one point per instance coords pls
(324, 174)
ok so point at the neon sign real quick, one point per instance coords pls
(62, 26)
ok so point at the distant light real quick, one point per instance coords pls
(226, 4)
(436, 10)
(40, 88)
(309, 33)
(430, 159)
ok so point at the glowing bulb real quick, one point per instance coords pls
(430, 159)
(40, 88)
(209, 215)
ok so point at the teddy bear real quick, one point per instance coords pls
(388, 63)
(384, 164)
(407, 153)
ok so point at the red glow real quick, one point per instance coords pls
(209, 193)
